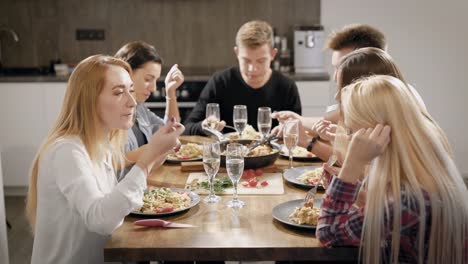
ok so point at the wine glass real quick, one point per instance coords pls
(240, 118)
(211, 160)
(212, 115)
(290, 137)
(235, 168)
(264, 120)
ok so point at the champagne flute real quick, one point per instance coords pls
(211, 160)
(212, 115)
(235, 168)
(240, 118)
(291, 137)
(264, 120)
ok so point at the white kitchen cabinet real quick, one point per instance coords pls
(315, 97)
(27, 112)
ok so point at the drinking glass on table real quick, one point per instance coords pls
(240, 118)
(211, 160)
(212, 115)
(290, 137)
(235, 168)
(264, 120)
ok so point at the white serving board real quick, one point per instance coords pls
(275, 184)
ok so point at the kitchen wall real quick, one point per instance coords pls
(193, 33)
(429, 40)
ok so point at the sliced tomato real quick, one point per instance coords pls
(248, 174)
(253, 182)
(165, 209)
(264, 183)
(258, 172)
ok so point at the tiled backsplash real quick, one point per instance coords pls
(193, 33)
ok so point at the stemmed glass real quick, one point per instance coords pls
(240, 118)
(211, 160)
(212, 115)
(290, 137)
(264, 120)
(235, 168)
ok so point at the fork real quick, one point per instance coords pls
(313, 192)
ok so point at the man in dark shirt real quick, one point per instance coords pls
(253, 83)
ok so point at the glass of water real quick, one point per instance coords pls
(212, 115)
(290, 137)
(264, 120)
(240, 118)
(235, 168)
(211, 160)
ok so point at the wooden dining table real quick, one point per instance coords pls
(222, 233)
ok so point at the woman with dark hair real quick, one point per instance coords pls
(146, 66)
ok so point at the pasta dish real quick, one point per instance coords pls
(187, 151)
(306, 215)
(249, 133)
(299, 152)
(311, 177)
(261, 150)
(161, 200)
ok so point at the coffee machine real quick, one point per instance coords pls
(308, 49)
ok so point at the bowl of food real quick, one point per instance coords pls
(261, 156)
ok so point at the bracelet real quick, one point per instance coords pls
(312, 143)
(169, 98)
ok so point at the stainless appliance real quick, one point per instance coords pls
(308, 49)
(187, 97)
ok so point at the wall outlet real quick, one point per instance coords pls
(90, 34)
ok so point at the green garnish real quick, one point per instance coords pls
(219, 185)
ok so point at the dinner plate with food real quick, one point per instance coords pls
(298, 213)
(249, 133)
(162, 201)
(299, 154)
(186, 152)
(307, 176)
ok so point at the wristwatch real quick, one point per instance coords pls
(312, 143)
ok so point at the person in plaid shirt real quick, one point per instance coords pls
(415, 208)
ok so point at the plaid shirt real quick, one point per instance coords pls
(340, 223)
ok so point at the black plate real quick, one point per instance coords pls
(195, 200)
(290, 175)
(298, 158)
(282, 211)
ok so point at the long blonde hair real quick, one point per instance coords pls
(78, 117)
(416, 163)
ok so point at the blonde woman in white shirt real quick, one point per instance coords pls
(74, 201)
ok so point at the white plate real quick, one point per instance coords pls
(194, 197)
(281, 212)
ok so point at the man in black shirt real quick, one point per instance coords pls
(253, 83)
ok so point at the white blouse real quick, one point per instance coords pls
(80, 204)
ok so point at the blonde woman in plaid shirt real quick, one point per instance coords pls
(415, 209)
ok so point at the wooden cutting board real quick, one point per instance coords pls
(275, 185)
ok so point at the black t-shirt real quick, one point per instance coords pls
(227, 88)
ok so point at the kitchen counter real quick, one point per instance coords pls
(191, 74)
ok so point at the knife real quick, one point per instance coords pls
(160, 223)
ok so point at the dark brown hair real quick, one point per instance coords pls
(366, 62)
(137, 53)
(356, 36)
